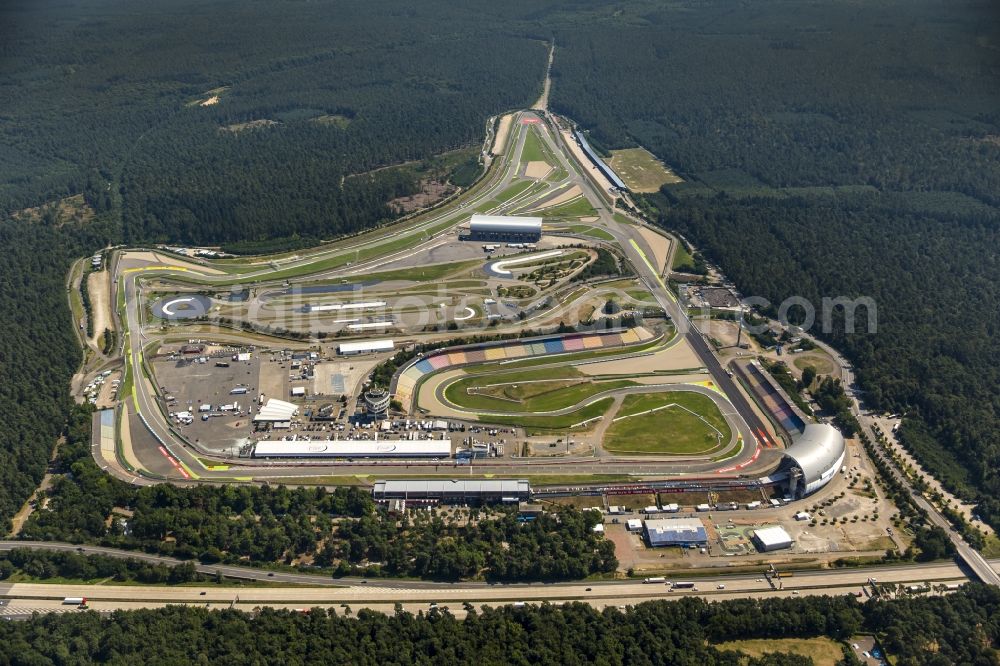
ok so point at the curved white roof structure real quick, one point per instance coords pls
(505, 224)
(819, 451)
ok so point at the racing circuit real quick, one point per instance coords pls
(426, 283)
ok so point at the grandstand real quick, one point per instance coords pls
(772, 398)
(608, 172)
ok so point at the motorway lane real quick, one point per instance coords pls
(420, 596)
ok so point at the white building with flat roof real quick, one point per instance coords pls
(365, 347)
(354, 448)
(771, 538)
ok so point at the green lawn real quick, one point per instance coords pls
(823, 651)
(578, 207)
(501, 394)
(533, 150)
(672, 429)
(682, 257)
(542, 424)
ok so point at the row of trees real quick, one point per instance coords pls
(960, 628)
(43, 565)
(338, 530)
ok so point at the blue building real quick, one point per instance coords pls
(684, 532)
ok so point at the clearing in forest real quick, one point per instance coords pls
(640, 170)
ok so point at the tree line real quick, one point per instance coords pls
(959, 628)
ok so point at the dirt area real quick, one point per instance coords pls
(660, 245)
(431, 192)
(725, 332)
(503, 131)
(71, 209)
(170, 260)
(640, 170)
(335, 378)
(537, 170)
(211, 101)
(568, 195)
(273, 380)
(678, 357)
(251, 124)
(26, 510)
(98, 286)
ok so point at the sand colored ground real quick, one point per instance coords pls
(660, 245)
(568, 195)
(585, 162)
(537, 170)
(351, 371)
(503, 131)
(159, 258)
(98, 284)
(211, 101)
(677, 357)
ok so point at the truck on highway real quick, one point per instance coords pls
(655, 579)
(682, 586)
(75, 601)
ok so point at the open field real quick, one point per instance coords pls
(533, 150)
(542, 424)
(682, 258)
(640, 170)
(685, 423)
(822, 364)
(99, 287)
(578, 207)
(822, 651)
(535, 391)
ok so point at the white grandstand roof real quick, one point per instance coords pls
(818, 451)
(366, 346)
(276, 410)
(439, 487)
(506, 223)
(355, 448)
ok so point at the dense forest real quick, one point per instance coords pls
(832, 150)
(960, 628)
(340, 531)
(114, 100)
(827, 149)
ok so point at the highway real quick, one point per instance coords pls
(382, 594)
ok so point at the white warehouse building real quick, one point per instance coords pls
(506, 228)
(771, 538)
